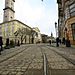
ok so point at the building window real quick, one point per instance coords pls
(73, 14)
(72, 9)
(67, 14)
(72, 6)
(73, 30)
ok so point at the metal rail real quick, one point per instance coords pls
(13, 55)
(45, 63)
(64, 56)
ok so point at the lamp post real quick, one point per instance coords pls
(57, 38)
(56, 28)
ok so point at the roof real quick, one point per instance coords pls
(17, 21)
(36, 29)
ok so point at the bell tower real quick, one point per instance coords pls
(9, 10)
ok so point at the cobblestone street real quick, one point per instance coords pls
(30, 60)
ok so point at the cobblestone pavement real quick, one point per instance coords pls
(67, 51)
(21, 61)
(28, 60)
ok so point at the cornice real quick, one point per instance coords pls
(9, 8)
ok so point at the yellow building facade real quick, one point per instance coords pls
(16, 30)
(38, 37)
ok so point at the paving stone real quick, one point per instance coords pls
(13, 73)
(30, 60)
(19, 73)
(5, 73)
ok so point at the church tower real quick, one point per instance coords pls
(9, 10)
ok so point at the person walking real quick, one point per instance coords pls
(57, 41)
(1, 43)
(50, 42)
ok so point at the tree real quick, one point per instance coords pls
(22, 32)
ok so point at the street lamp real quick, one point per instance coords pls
(56, 28)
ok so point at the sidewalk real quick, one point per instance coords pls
(61, 45)
(73, 46)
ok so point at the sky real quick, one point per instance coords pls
(35, 13)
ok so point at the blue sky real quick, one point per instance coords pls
(35, 13)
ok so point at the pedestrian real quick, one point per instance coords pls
(63, 41)
(1, 43)
(57, 41)
(60, 41)
(50, 42)
(18, 44)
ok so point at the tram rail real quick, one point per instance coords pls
(12, 55)
(63, 56)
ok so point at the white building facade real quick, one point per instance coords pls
(37, 37)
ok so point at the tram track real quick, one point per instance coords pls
(63, 56)
(18, 51)
(55, 71)
(27, 60)
(45, 62)
(12, 50)
(35, 60)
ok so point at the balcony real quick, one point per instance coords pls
(61, 12)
